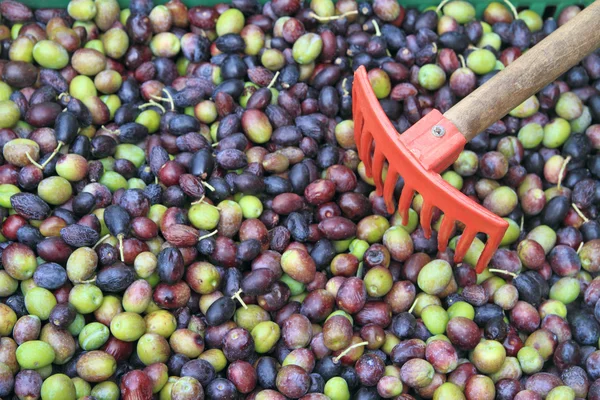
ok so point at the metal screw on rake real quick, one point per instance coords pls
(430, 146)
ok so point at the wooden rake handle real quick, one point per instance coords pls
(528, 74)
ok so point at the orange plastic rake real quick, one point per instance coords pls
(430, 146)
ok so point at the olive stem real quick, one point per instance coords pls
(120, 237)
(442, 4)
(152, 103)
(512, 8)
(501, 271)
(198, 201)
(33, 161)
(214, 144)
(522, 222)
(332, 18)
(115, 132)
(54, 153)
(273, 80)
(208, 235)
(344, 91)
(102, 239)
(64, 94)
(170, 99)
(412, 308)
(88, 281)
(378, 33)
(578, 211)
(580, 247)
(376, 26)
(239, 298)
(348, 350)
(462, 60)
(562, 171)
(209, 186)
(156, 180)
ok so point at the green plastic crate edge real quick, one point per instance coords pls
(552, 7)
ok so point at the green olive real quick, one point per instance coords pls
(566, 290)
(77, 325)
(96, 366)
(9, 115)
(526, 108)
(108, 81)
(161, 322)
(461, 11)
(461, 309)
(50, 54)
(82, 10)
(40, 302)
(132, 153)
(216, 358)
(8, 320)
(72, 167)
(93, 336)
(82, 388)
(150, 119)
(491, 39)
(569, 106)
(530, 360)
(58, 387)
(265, 335)
(34, 354)
(448, 390)
(55, 190)
(204, 216)
(82, 87)
(165, 44)
(153, 348)
(86, 298)
(82, 264)
(481, 61)
(187, 342)
(249, 318)
(431, 77)
(115, 42)
(231, 21)
(113, 181)
(21, 49)
(307, 48)
(435, 319)
(107, 13)
(5, 91)
(251, 206)
(532, 19)
(8, 285)
(128, 326)
(6, 191)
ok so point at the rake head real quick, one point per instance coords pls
(419, 155)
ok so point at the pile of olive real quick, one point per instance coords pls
(183, 213)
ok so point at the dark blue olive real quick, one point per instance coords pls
(50, 276)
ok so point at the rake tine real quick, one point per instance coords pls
(388, 189)
(491, 245)
(463, 244)
(378, 160)
(445, 231)
(405, 199)
(358, 129)
(366, 141)
(425, 217)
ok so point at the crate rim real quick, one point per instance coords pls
(539, 6)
